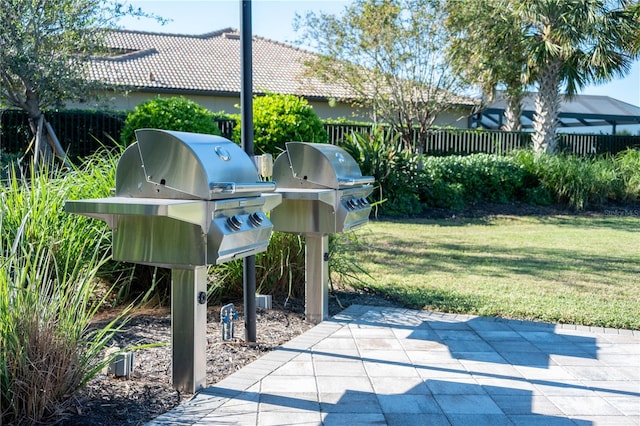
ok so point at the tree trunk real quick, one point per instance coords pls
(513, 112)
(55, 144)
(547, 106)
(41, 150)
(46, 146)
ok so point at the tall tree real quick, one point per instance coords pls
(44, 47)
(572, 43)
(487, 48)
(387, 54)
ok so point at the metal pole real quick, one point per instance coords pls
(246, 104)
(189, 328)
(316, 280)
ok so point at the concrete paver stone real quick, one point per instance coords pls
(373, 365)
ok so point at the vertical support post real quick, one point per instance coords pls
(189, 328)
(316, 285)
(246, 111)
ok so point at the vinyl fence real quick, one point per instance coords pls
(464, 142)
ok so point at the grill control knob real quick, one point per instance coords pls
(234, 222)
(256, 219)
(363, 202)
(351, 204)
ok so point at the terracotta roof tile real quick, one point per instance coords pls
(207, 63)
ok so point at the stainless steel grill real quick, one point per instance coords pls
(323, 192)
(184, 201)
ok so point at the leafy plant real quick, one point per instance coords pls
(628, 165)
(383, 155)
(49, 293)
(176, 113)
(45, 54)
(578, 181)
(456, 181)
(389, 56)
(344, 267)
(279, 271)
(35, 207)
(532, 191)
(278, 119)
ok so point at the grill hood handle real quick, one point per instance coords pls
(239, 188)
(364, 180)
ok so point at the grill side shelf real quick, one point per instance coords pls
(191, 211)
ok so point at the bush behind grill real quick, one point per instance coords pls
(174, 113)
(408, 183)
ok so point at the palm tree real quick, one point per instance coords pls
(572, 43)
(486, 48)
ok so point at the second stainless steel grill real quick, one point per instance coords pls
(322, 188)
(323, 192)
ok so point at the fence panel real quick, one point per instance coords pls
(449, 142)
(226, 127)
(15, 133)
(597, 144)
(82, 132)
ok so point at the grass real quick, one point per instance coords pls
(567, 269)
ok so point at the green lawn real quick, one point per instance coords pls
(569, 269)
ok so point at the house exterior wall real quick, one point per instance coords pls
(457, 118)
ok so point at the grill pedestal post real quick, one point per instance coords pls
(316, 285)
(189, 328)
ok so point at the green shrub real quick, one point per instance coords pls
(395, 169)
(278, 119)
(279, 271)
(49, 262)
(580, 182)
(176, 113)
(35, 207)
(628, 165)
(446, 195)
(456, 181)
(532, 191)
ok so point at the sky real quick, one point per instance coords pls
(273, 19)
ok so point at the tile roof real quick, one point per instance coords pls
(207, 63)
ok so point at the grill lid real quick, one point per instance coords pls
(171, 164)
(317, 165)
